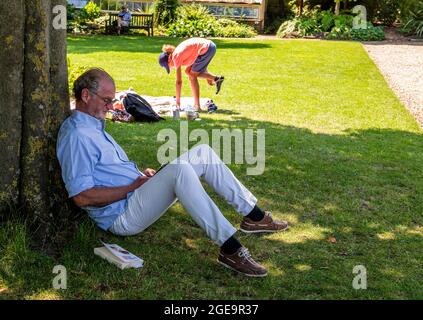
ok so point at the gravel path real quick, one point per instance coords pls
(401, 63)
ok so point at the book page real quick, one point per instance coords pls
(121, 253)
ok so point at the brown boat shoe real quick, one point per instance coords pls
(267, 224)
(242, 262)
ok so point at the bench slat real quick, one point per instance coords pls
(138, 21)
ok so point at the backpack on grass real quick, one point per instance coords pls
(140, 109)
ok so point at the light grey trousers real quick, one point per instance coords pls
(180, 180)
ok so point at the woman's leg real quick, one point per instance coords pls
(195, 88)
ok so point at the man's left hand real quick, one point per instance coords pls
(149, 172)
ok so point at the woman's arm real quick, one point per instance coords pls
(178, 86)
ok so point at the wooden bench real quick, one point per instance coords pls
(138, 21)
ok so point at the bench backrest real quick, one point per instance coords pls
(137, 19)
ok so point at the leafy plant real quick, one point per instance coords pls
(340, 32)
(372, 33)
(343, 20)
(74, 71)
(288, 29)
(299, 27)
(342, 28)
(90, 12)
(307, 26)
(327, 20)
(165, 11)
(228, 28)
(412, 17)
(387, 11)
(193, 20)
(70, 12)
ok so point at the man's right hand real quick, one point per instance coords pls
(139, 182)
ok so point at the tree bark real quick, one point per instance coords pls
(300, 7)
(11, 93)
(40, 77)
(337, 7)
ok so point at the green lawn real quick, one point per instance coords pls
(343, 159)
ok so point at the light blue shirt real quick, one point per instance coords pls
(90, 157)
(126, 16)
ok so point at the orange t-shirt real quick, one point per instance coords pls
(188, 51)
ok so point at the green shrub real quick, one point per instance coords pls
(343, 20)
(288, 29)
(74, 72)
(299, 27)
(345, 32)
(370, 34)
(327, 20)
(387, 11)
(412, 17)
(70, 12)
(191, 28)
(341, 32)
(193, 20)
(342, 27)
(90, 12)
(165, 11)
(71, 15)
(194, 12)
(87, 20)
(228, 28)
(308, 26)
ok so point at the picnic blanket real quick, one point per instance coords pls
(162, 104)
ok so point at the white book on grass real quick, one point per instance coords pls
(119, 256)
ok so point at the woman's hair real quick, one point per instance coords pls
(168, 48)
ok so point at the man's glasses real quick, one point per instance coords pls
(106, 101)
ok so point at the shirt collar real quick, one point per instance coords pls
(87, 120)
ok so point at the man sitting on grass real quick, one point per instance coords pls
(100, 179)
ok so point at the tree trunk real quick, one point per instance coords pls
(11, 92)
(300, 7)
(337, 7)
(34, 103)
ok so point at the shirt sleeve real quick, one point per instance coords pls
(78, 158)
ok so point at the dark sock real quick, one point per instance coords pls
(231, 245)
(256, 214)
(216, 78)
